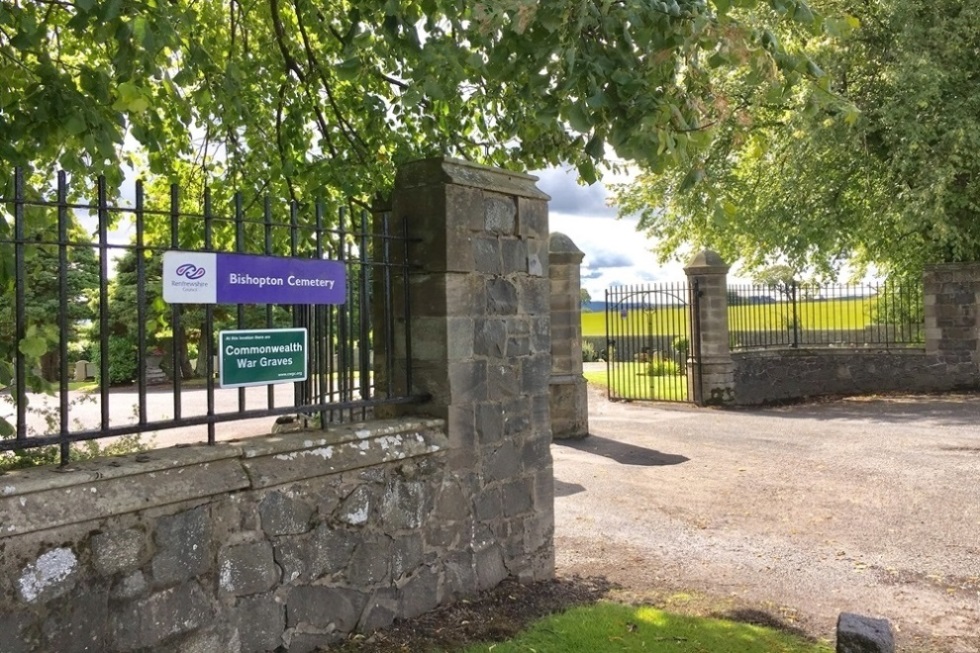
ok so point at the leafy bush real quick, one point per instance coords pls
(123, 362)
(663, 367)
(589, 353)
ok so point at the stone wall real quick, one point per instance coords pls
(787, 374)
(294, 540)
(950, 359)
(280, 541)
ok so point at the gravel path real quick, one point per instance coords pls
(863, 505)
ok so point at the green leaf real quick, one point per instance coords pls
(586, 170)
(348, 69)
(595, 147)
(578, 117)
(33, 347)
(6, 428)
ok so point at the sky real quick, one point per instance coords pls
(615, 252)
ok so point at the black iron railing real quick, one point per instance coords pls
(826, 315)
(70, 301)
(648, 341)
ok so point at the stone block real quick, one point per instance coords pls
(420, 594)
(53, 574)
(330, 550)
(130, 586)
(183, 547)
(513, 253)
(370, 563)
(859, 634)
(404, 505)
(283, 515)
(489, 422)
(79, 624)
(490, 568)
(490, 338)
(333, 608)
(381, 610)
(149, 621)
(538, 260)
(407, 555)
(260, 621)
(501, 297)
(468, 381)
(487, 256)
(518, 346)
(355, 509)
(118, 551)
(451, 503)
(247, 569)
(518, 497)
(502, 463)
(500, 214)
(532, 217)
(535, 374)
(465, 205)
(16, 634)
(503, 380)
(488, 505)
(459, 577)
(534, 296)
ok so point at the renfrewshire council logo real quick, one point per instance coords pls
(188, 278)
(190, 271)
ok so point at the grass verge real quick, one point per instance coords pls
(611, 627)
(628, 383)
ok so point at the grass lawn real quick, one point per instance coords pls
(611, 627)
(628, 382)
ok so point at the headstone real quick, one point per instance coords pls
(81, 370)
(859, 634)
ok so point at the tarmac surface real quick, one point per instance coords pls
(796, 513)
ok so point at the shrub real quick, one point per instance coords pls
(589, 353)
(123, 362)
(663, 367)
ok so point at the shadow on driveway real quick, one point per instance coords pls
(623, 453)
(959, 409)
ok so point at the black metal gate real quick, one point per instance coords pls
(649, 348)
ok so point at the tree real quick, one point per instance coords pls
(300, 99)
(585, 298)
(890, 178)
(293, 95)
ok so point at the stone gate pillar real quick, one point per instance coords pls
(569, 395)
(481, 349)
(710, 370)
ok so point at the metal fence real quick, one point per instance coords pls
(648, 342)
(67, 298)
(826, 315)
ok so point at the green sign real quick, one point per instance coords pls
(261, 357)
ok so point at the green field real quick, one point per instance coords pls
(826, 315)
(630, 381)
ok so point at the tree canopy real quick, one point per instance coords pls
(296, 95)
(888, 176)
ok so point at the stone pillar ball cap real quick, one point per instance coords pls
(562, 244)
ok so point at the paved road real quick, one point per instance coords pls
(871, 506)
(85, 411)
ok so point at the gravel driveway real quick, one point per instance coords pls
(866, 505)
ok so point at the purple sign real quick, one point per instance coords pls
(208, 278)
(271, 280)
